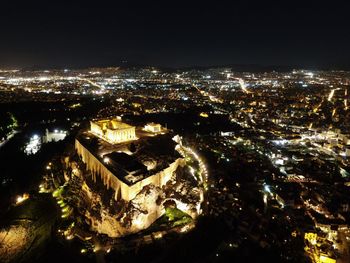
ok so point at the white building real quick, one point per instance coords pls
(55, 136)
(113, 131)
(153, 127)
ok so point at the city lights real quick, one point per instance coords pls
(258, 160)
(20, 199)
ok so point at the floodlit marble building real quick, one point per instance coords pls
(153, 127)
(113, 131)
(55, 136)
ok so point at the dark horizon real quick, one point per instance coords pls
(308, 35)
(258, 68)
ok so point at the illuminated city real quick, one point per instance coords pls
(263, 157)
(181, 133)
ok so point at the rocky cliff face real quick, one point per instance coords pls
(144, 209)
(27, 229)
(138, 214)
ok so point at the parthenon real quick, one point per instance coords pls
(113, 131)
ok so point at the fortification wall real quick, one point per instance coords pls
(122, 190)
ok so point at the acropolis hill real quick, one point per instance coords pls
(130, 174)
(117, 167)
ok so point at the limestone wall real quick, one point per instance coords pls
(98, 169)
(141, 213)
(122, 190)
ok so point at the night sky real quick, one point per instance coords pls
(174, 33)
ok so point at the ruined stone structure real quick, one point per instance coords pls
(153, 127)
(113, 131)
(122, 189)
(125, 182)
(144, 172)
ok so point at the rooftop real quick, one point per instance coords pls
(125, 162)
(113, 124)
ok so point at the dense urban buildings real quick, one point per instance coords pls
(200, 165)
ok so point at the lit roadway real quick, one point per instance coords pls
(8, 138)
(214, 99)
(243, 86)
(92, 83)
(203, 172)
